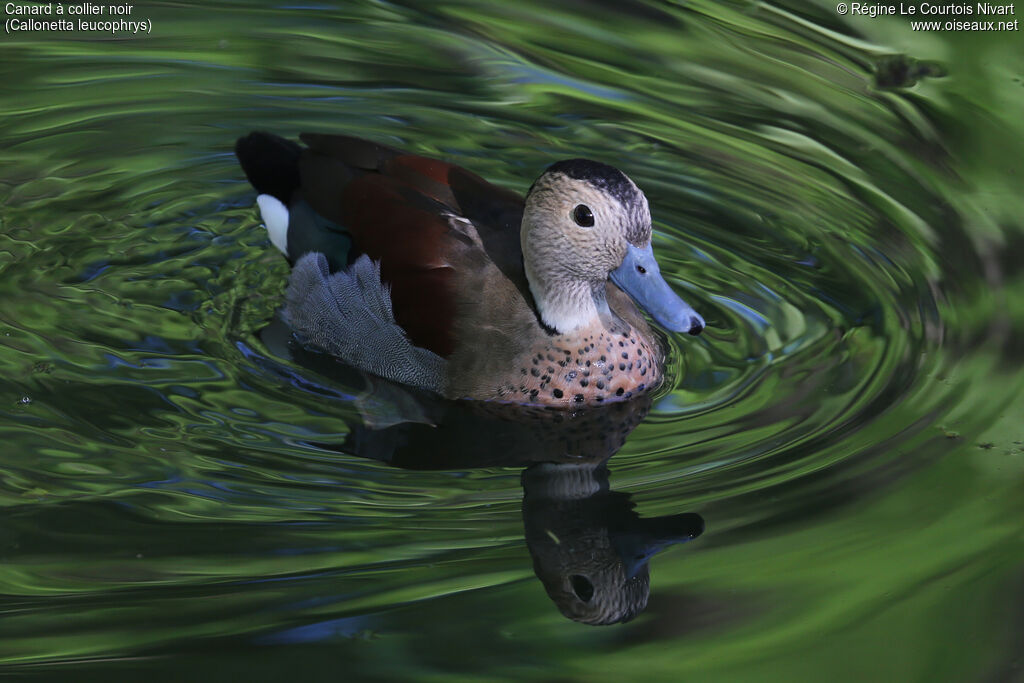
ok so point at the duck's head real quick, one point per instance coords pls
(586, 222)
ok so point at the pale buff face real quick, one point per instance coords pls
(556, 246)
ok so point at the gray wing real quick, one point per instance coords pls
(348, 314)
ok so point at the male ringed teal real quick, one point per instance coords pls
(421, 272)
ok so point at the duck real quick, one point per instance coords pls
(421, 272)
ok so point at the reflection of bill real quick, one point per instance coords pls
(589, 548)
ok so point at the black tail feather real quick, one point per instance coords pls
(271, 164)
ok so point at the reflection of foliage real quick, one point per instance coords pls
(901, 71)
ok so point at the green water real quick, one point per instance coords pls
(184, 501)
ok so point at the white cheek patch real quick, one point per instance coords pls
(275, 217)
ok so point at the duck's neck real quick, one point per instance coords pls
(566, 304)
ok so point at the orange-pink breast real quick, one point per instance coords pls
(590, 368)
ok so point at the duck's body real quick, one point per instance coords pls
(487, 296)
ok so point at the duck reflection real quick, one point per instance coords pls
(590, 549)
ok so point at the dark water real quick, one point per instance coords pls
(839, 196)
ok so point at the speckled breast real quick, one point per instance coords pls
(589, 367)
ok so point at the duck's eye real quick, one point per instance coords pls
(641, 270)
(583, 589)
(583, 216)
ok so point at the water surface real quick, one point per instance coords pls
(838, 196)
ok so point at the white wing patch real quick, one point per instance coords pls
(275, 217)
